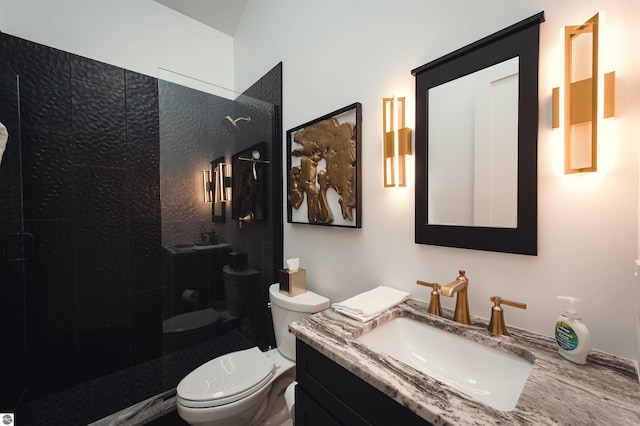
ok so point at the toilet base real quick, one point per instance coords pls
(265, 407)
(278, 415)
(234, 414)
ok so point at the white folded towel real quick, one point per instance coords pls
(3, 139)
(367, 305)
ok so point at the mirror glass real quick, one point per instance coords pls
(476, 143)
(473, 149)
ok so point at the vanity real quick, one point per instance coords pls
(342, 380)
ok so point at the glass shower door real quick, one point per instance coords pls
(16, 248)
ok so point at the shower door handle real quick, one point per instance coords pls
(18, 247)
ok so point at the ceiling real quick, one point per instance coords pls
(222, 15)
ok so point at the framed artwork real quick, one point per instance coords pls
(323, 170)
(248, 193)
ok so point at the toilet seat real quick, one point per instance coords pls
(226, 379)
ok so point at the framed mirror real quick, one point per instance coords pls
(476, 144)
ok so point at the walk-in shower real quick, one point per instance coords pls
(84, 274)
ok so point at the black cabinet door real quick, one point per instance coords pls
(343, 396)
(310, 413)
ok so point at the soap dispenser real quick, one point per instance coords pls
(572, 335)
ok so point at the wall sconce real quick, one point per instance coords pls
(588, 95)
(396, 141)
(222, 174)
(206, 186)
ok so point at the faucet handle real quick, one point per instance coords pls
(434, 301)
(496, 325)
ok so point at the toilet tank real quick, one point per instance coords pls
(286, 309)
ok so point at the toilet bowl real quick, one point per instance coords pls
(188, 329)
(247, 387)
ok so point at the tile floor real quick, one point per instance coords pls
(97, 400)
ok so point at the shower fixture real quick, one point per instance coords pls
(232, 125)
(255, 158)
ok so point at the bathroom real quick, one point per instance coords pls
(587, 224)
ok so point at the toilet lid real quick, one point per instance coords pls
(190, 321)
(226, 379)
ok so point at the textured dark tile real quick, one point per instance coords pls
(145, 256)
(269, 87)
(95, 72)
(47, 175)
(143, 124)
(102, 287)
(12, 329)
(45, 106)
(100, 206)
(143, 182)
(31, 59)
(10, 183)
(51, 349)
(103, 351)
(50, 276)
(99, 125)
(44, 85)
(146, 325)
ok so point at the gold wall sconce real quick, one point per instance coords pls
(222, 173)
(588, 95)
(207, 186)
(396, 141)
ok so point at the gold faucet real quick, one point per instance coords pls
(496, 325)
(434, 301)
(248, 218)
(459, 287)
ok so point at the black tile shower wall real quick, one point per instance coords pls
(11, 273)
(90, 170)
(269, 238)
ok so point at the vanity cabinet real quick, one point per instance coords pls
(328, 394)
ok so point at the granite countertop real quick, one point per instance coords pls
(192, 248)
(603, 392)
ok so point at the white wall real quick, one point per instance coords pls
(337, 52)
(139, 35)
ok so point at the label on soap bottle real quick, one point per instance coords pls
(565, 336)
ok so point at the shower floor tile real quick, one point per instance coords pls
(94, 400)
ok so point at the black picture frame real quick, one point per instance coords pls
(334, 170)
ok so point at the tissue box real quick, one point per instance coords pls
(293, 283)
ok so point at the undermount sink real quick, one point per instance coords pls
(489, 375)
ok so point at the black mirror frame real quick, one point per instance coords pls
(519, 40)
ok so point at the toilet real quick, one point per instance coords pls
(248, 387)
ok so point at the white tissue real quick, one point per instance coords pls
(4, 135)
(293, 264)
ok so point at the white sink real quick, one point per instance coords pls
(489, 375)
